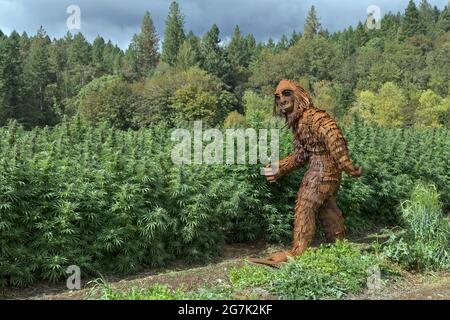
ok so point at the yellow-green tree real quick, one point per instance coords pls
(324, 97)
(390, 105)
(430, 110)
(106, 99)
(192, 103)
(364, 107)
(235, 120)
(257, 108)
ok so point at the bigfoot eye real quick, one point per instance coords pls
(277, 97)
(287, 93)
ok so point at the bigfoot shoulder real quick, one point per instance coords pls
(325, 129)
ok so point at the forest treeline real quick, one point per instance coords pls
(394, 76)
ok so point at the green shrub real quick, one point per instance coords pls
(425, 243)
(329, 272)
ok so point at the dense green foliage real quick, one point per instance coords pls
(86, 193)
(425, 242)
(109, 200)
(403, 68)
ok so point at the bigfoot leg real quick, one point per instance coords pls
(309, 201)
(332, 221)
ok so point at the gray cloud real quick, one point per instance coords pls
(119, 20)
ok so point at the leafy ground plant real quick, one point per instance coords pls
(425, 242)
(328, 272)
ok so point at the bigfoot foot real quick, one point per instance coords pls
(274, 260)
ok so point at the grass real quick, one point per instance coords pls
(102, 290)
(425, 241)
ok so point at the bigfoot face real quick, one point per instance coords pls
(285, 100)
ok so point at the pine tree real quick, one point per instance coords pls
(361, 36)
(194, 43)
(294, 38)
(236, 49)
(312, 24)
(174, 34)
(411, 23)
(97, 53)
(250, 48)
(147, 46)
(282, 44)
(186, 56)
(79, 51)
(10, 77)
(25, 44)
(390, 25)
(427, 16)
(36, 78)
(270, 44)
(130, 69)
(213, 58)
(443, 23)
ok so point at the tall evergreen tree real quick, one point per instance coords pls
(411, 23)
(10, 77)
(214, 59)
(186, 57)
(294, 38)
(147, 46)
(443, 23)
(390, 26)
(97, 52)
(361, 36)
(173, 35)
(36, 78)
(236, 49)
(194, 43)
(25, 44)
(130, 68)
(270, 44)
(427, 16)
(79, 51)
(312, 24)
(250, 48)
(283, 44)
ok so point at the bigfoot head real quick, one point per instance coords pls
(292, 100)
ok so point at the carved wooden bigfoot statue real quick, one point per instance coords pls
(320, 143)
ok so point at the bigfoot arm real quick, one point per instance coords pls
(285, 166)
(335, 143)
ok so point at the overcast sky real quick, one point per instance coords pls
(118, 20)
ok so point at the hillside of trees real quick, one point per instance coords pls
(398, 75)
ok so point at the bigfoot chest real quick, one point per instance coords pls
(308, 142)
(310, 148)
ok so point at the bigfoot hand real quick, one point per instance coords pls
(355, 171)
(270, 174)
